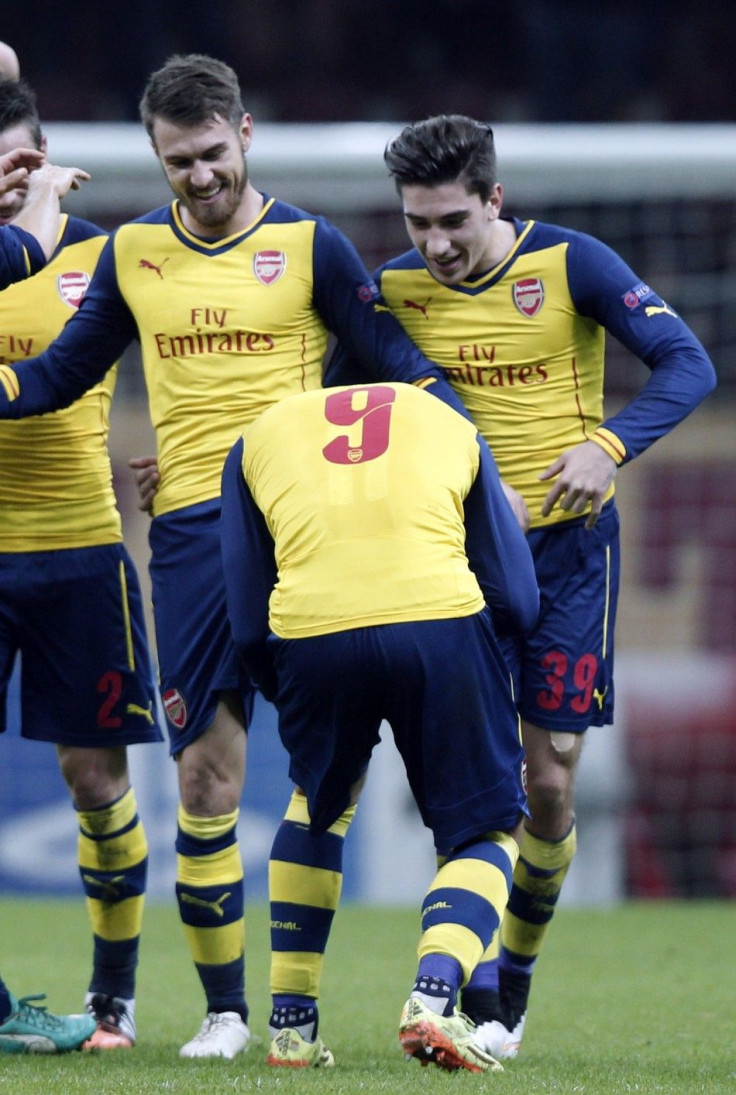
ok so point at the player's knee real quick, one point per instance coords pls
(205, 791)
(95, 777)
(550, 796)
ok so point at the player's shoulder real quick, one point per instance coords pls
(161, 215)
(409, 260)
(541, 235)
(76, 230)
(328, 235)
(281, 212)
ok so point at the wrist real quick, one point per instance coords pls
(611, 444)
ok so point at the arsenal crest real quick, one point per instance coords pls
(175, 708)
(528, 295)
(72, 287)
(268, 266)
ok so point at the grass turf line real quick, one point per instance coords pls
(637, 998)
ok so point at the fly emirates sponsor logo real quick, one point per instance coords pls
(477, 366)
(209, 332)
(14, 347)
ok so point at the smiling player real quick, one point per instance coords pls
(516, 312)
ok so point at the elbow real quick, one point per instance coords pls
(705, 379)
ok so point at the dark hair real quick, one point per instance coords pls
(191, 89)
(447, 148)
(18, 107)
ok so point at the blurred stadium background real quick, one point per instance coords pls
(622, 139)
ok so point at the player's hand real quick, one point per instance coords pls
(58, 180)
(15, 167)
(582, 477)
(518, 505)
(147, 479)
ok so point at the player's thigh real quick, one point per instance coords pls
(329, 703)
(450, 705)
(197, 658)
(565, 680)
(86, 675)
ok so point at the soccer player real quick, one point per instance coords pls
(330, 501)
(71, 604)
(231, 294)
(24, 1027)
(516, 312)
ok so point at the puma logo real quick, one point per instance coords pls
(599, 697)
(110, 889)
(419, 307)
(655, 310)
(144, 264)
(215, 906)
(134, 709)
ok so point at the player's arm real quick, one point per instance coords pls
(604, 288)
(250, 571)
(89, 344)
(682, 374)
(20, 256)
(372, 344)
(498, 551)
(41, 211)
(20, 253)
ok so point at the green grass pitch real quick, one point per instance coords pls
(635, 999)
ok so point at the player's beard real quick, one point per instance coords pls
(222, 211)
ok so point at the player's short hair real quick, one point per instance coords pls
(191, 89)
(18, 107)
(443, 149)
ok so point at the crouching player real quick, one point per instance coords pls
(370, 555)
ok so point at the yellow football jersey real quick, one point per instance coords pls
(55, 476)
(523, 345)
(526, 364)
(388, 468)
(226, 329)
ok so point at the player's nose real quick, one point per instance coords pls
(202, 174)
(436, 243)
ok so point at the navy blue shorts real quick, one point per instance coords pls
(563, 670)
(444, 688)
(196, 655)
(75, 616)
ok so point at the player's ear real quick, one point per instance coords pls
(246, 132)
(495, 200)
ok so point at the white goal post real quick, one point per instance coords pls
(339, 166)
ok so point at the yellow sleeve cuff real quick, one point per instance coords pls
(9, 381)
(610, 443)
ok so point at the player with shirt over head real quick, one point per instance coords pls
(330, 501)
(71, 604)
(516, 312)
(232, 295)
